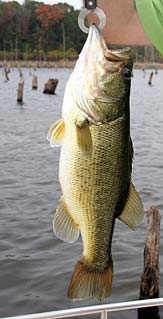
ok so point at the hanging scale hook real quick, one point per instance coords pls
(91, 6)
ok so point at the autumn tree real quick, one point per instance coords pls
(33, 29)
(48, 15)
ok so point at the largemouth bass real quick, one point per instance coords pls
(95, 162)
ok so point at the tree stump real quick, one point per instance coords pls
(7, 71)
(20, 93)
(21, 79)
(150, 78)
(34, 82)
(150, 278)
(50, 86)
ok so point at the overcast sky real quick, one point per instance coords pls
(75, 3)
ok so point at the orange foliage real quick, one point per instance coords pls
(49, 15)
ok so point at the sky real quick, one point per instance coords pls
(77, 4)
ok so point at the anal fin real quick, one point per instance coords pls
(56, 133)
(64, 226)
(133, 211)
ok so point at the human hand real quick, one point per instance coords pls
(123, 24)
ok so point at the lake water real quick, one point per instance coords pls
(35, 266)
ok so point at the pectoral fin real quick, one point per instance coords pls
(84, 138)
(133, 211)
(64, 226)
(56, 133)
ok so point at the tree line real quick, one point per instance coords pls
(37, 31)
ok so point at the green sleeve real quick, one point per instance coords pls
(150, 13)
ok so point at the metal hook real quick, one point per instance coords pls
(90, 4)
(91, 7)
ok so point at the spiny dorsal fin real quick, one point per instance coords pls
(133, 211)
(64, 226)
(56, 133)
(84, 139)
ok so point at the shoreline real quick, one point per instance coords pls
(67, 64)
(38, 64)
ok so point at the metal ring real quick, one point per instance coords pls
(85, 12)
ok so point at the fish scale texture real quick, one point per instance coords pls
(94, 185)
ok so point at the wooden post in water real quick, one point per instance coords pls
(34, 82)
(21, 77)
(50, 86)
(150, 278)
(20, 88)
(7, 71)
(20, 93)
(150, 78)
(143, 73)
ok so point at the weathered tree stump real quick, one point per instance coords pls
(150, 78)
(20, 93)
(7, 71)
(21, 80)
(34, 82)
(143, 73)
(50, 86)
(150, 278)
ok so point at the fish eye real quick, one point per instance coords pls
(126, 73)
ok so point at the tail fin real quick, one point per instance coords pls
(88, 282)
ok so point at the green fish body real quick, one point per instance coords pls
(95, 163)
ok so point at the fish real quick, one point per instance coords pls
(95, 165)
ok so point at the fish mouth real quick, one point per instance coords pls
(95, 38)
(95, 52)
(94, 55)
